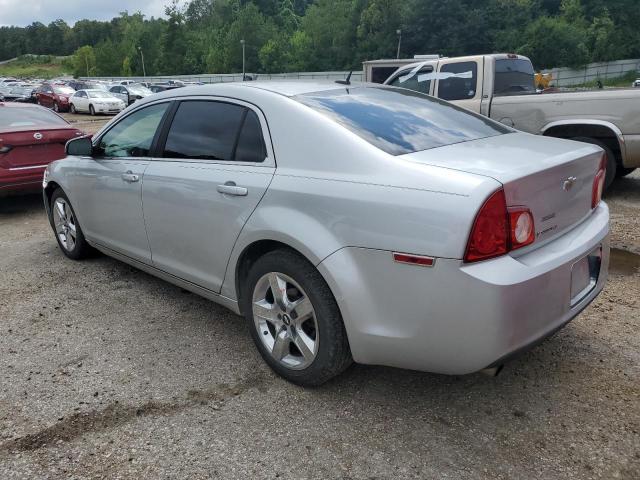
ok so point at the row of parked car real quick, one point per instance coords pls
(76, 96)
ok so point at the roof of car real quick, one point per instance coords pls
(287, 88)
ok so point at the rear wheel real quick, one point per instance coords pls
(612, 165)
(294, 319)
(92, 110)
(56, 108)
(623, 172)
(66, 227)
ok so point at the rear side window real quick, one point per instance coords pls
(28, 117)
(399, 121)
(514, 76)
(251, 146)
(209, 130)
(458, 81)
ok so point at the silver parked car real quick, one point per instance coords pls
(345, 222)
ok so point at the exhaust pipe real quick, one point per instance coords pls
(492, 371)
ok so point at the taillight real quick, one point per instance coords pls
(521, 223)
(497, 229)
(490, 233)
(598, 182)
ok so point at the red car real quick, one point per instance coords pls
(55, 96)
(31, 137)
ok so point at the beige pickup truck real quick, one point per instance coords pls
(501, 86)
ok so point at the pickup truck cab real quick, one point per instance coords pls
(502, 87)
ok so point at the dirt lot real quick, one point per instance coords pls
(110, 373)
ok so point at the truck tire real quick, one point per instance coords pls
(612, 165)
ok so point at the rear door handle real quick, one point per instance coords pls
(130, 177)
(230, 188)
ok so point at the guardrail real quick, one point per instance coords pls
(237, 77)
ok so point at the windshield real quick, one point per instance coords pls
(139, 90)
(23, 118)
(100, 94)
(22, 90)
(63, 90)
(399, 121)
(514, 77)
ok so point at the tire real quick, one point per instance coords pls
(278, 331)
(623, 172)
(72, 109)
(63, 221)
(612, 165)
(56, 107)
(92, 110)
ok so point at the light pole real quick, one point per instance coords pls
(243, 59)
(399, 33)
(144, 71)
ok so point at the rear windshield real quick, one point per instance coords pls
(21, 118)
(514, 77)
(400, 121)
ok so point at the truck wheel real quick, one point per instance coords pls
(612, 165)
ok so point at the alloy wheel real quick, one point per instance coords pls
(285, 320)
(65, 224)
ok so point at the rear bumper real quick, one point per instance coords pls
(459, 318)
(21, 180)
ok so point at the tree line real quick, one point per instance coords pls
(204, 36)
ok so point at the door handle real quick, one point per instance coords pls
(230, 188)
(130, 177)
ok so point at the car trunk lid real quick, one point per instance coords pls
(552, 177)
(36, 147)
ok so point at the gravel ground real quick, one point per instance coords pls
(110, 373)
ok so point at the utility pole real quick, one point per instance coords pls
(86, 60)
(144, 71)
(399, 33)
(243, 60)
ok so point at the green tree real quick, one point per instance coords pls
(84, 62)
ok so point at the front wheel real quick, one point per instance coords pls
(294, 319)
(66, 227)
(56, 108)
(72, 109)
(92, 110)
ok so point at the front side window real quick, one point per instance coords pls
(204, 130)
(133, 135)
(458, 81)
(399, 121)
(419, 81)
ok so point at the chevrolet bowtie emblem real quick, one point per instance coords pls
(568, 183)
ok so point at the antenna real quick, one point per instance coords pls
(346, 81)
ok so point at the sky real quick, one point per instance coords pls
(25, 12)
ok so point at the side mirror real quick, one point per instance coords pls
(80, 147)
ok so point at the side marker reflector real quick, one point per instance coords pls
(414, 259)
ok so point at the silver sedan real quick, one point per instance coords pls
(345, 222)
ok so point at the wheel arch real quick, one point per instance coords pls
(602, 130)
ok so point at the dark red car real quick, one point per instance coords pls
(55, 96)
(31, 137)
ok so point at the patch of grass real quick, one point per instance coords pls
(36, 66)
(623, 81)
